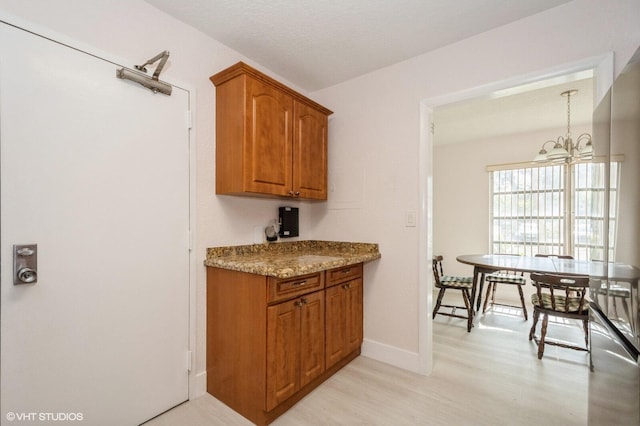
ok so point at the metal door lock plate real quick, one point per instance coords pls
(25, 264)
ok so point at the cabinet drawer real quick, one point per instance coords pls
(281, 289)
(345, 273)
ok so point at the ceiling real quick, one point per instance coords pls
(315, 44)
(529, 108)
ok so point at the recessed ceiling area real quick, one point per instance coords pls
(318, 43)
(517, 110)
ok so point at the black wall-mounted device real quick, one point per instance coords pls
(288, 219)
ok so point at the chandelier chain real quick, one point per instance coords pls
(569, 114)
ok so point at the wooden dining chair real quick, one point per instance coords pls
(558, 256)
(611, 293)
(509, 278)
(449, 282)
(504, 277)
(554, 297)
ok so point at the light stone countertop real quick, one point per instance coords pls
(290, 259)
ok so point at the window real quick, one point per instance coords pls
(553, 209)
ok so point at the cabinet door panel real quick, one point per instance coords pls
(283, 352)
(310, 152)
(268, 149)
(312, 338)
(353, 316)
(335, 325)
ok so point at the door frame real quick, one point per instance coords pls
(55, 37)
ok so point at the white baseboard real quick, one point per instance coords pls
(392, 355)
(388, 354)
(199, 385)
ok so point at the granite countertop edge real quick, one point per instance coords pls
(290, 259)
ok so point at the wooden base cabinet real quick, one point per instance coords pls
(272, 341)
(343, 318)
(295, 346)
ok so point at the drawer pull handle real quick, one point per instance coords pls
(346, 271)
(299, 283)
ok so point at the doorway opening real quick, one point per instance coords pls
(598, 71)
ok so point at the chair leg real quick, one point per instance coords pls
(486, 297)
(493, 293)
(438, 302)
(467, 303)
(543, 333)
(585, 326)
(536, 315)
(524, 306)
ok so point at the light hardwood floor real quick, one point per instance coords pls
(490, 376)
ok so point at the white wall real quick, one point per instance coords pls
(376, 130)
(374, 135)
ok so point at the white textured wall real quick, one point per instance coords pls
(374, 135)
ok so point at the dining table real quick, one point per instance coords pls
(489, 263)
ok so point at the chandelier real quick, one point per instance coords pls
(564, 149)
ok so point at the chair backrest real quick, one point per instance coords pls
(561, 285)
(437, 269)
(559, 256)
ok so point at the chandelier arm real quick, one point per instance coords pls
(583, 137)
(549, 141)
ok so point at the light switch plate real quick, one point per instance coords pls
(410, 219)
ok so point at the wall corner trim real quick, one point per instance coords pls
(401, 358)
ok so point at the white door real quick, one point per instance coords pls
(95, 171)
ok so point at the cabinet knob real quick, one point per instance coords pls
(346, 286)
(297, 193)
(302, 301)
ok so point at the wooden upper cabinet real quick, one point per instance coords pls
(270, 140)
(268, 149)
(310, 152)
